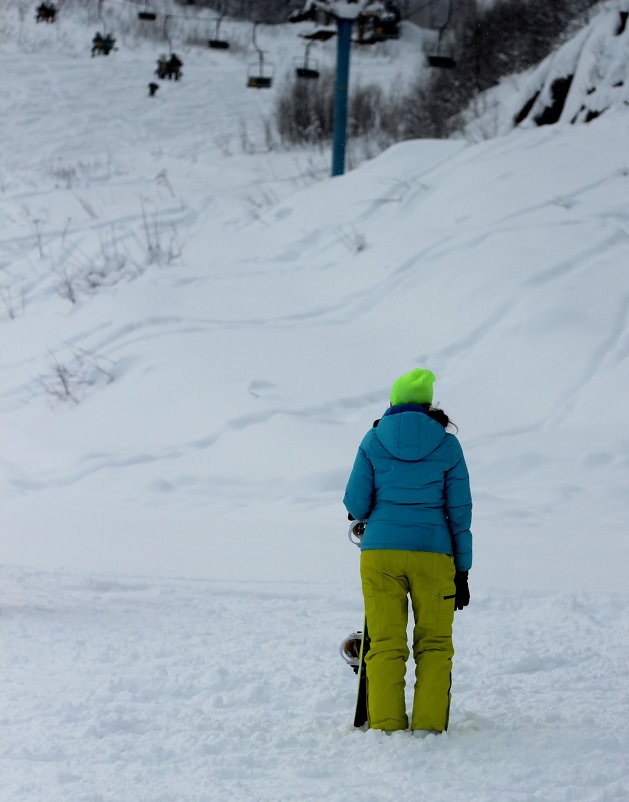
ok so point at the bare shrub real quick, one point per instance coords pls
(364, 109)
(223, 142)
(304, 110)
(80, 274)
(69, 381)
(246, 143)
(352, 239)
(67, 175)
(163, 244)
(260, 201)
(37, 225)
(13, 300)
(312, 170)
(66, 285)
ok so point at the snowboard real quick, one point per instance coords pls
(360, 714)
(355, 647)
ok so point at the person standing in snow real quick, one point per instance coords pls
(410, 484)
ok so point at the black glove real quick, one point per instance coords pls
(462, 597)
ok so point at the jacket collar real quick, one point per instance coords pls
(398, 408)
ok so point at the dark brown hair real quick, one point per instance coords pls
(440, 416)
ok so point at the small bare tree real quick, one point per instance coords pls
(13, 302)
(162, 246)
(69, 380)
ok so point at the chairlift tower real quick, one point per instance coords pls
(345, 12)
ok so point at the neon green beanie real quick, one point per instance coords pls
(414, 387)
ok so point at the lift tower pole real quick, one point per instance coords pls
(341, 92)
(345, 12)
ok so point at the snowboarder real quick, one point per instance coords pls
(410, 483)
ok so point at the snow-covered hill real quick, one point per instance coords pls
(586, 77)
(196, 332)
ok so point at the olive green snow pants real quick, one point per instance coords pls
(388, 577)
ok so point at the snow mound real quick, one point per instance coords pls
(584, 78)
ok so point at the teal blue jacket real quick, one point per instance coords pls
(411, 484)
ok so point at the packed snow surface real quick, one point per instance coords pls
(197, 329)
(178, 690)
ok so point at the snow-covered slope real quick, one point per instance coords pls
(197, 331)
(231, 337)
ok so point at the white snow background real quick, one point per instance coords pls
(196, 331)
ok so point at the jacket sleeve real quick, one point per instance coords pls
(459, 508)
(359, 493)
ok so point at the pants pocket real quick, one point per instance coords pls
(445, 614)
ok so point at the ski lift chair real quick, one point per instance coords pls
(103, 42)
(441, 61)
(309, 69)
(260, 75)
(443, 56)
(217, 43)
(98, 41)
(307, 72)
(147, 14)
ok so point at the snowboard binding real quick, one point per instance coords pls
(356, 531)
(350, 650)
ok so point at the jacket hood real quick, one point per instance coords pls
(409, 434)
